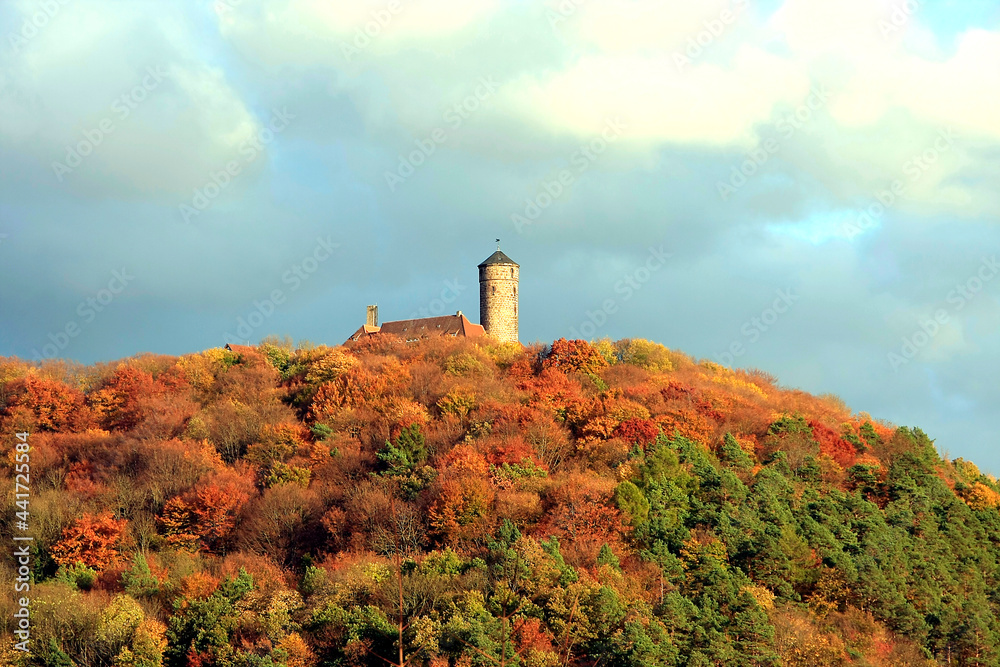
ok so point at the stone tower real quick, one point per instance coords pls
(498, 277)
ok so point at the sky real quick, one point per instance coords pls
(801, 186)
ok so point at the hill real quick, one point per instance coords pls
(453, 503)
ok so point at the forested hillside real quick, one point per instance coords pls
(453, 503)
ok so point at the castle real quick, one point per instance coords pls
(498, 278)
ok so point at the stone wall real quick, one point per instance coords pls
(498, 300)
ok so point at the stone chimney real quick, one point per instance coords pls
(372, 320)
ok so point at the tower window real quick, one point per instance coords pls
(512, 273)
(515, 291)
(494, 289)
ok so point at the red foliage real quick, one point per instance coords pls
(833, 445)
(637, 431)
(676, 391)
(80, 479)
(510, 450)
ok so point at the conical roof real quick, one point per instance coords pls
(498, 258)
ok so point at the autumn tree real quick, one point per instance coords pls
(573, 355)
(93, 540)
(205, 517)
(37, 403)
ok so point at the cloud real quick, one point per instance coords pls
(122, 101)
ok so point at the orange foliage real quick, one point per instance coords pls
(573, 355)
(92, 540)
(118, 404)
(533, 636)
(204, 517)
(465, 459)
(463, 509)
(581, 512)
(359, 386)
(48, 405)
(552, 390)
(198, 585)
(688, 423)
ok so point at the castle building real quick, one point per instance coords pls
(498, 278)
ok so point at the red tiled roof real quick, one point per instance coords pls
(425, 327)
(242, 349)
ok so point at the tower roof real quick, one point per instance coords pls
(498, 258)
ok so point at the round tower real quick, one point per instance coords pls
(498, 277)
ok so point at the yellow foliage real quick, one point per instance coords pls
(148, 645)
(377, 572)
(644, 354)
(627, 470)
(981, 497)
(119, 620)
(628, 409)
(330, 366)
(607, 349)
(968, 470)
(458, 402)
(764, 597)
(299, 653)
(702, 547)
(739, 384)
(202, 368)
(466, 364)
(204, 453)
(504, 354)
(714, 367)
